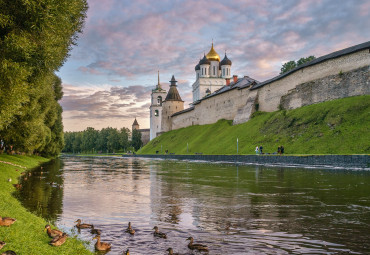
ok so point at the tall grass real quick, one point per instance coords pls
(26, 235)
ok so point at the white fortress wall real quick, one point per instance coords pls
(212, 109)
(336, 75)
(270, 94)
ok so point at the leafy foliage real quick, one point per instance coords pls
(35, 38)
(91, 140)
(292, 64)
(136, 140)
(340, 126)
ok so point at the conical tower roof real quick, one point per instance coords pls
(173, 94)
(135, 123)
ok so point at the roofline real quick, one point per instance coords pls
(183, 111)
(333, 55)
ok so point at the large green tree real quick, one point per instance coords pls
(136, 140)
(35, 38)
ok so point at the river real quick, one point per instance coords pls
(231, 209)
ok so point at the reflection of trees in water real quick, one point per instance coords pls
(42, 192)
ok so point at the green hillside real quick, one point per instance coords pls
(335, 127)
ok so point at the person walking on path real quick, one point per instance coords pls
(281, 149)
(257, 150)
(261, 148)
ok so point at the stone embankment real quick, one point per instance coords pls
(324, 161)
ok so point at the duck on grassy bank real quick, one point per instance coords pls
(9, 252)
(2, 244)
(53, 232)
(59, 240)
(6, 221)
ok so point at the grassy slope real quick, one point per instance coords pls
(26, 235)
(335, 127)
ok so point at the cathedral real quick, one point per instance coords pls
(211, 75)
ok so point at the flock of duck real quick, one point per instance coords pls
(59, 237)
(103, 246)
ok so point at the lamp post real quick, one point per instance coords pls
(237, 146)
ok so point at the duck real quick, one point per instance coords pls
(53, 232)
(6, 221)
(59, 240)
(101, 246)
(9, 252)
(170, 252)
(2, 244)
(196, 246)
(130, 229)
(159, 234)
(95, 231)
(83, 225)
(17, 186)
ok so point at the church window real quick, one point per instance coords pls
(159, 100)
(202, 71)
(205, 71)
(156, 113)
(214, 70)
(223, 71)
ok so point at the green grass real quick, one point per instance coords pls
(26, 235)
(335, 127)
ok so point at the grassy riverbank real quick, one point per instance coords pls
(26, 235)
(335, 127)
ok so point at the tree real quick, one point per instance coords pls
(35, 38)
(292, 64)
(136, 140)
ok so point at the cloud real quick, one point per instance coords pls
(128, 41)
(109, 104)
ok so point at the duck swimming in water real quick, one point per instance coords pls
(130, 229)
(95, 231)
(159, 234)
(196, 246)
(53, 232)
(83, 225)
(101, 246)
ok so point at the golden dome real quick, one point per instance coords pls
(212, 55)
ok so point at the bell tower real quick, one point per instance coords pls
(157, 97)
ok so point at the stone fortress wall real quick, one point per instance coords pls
(337, 75)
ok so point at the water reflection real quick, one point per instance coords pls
(232, 209)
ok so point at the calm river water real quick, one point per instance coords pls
(232, 209)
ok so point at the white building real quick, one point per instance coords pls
(158, 95)
(211, 74)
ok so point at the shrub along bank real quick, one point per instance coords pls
(26, 235)
(335, 127)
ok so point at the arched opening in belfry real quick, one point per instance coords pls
(159, 100)
(156, 113)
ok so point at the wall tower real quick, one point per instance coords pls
(172, 104)
(158, 94)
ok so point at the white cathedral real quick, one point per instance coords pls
(211, 75)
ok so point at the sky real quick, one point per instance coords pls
(108, 78)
